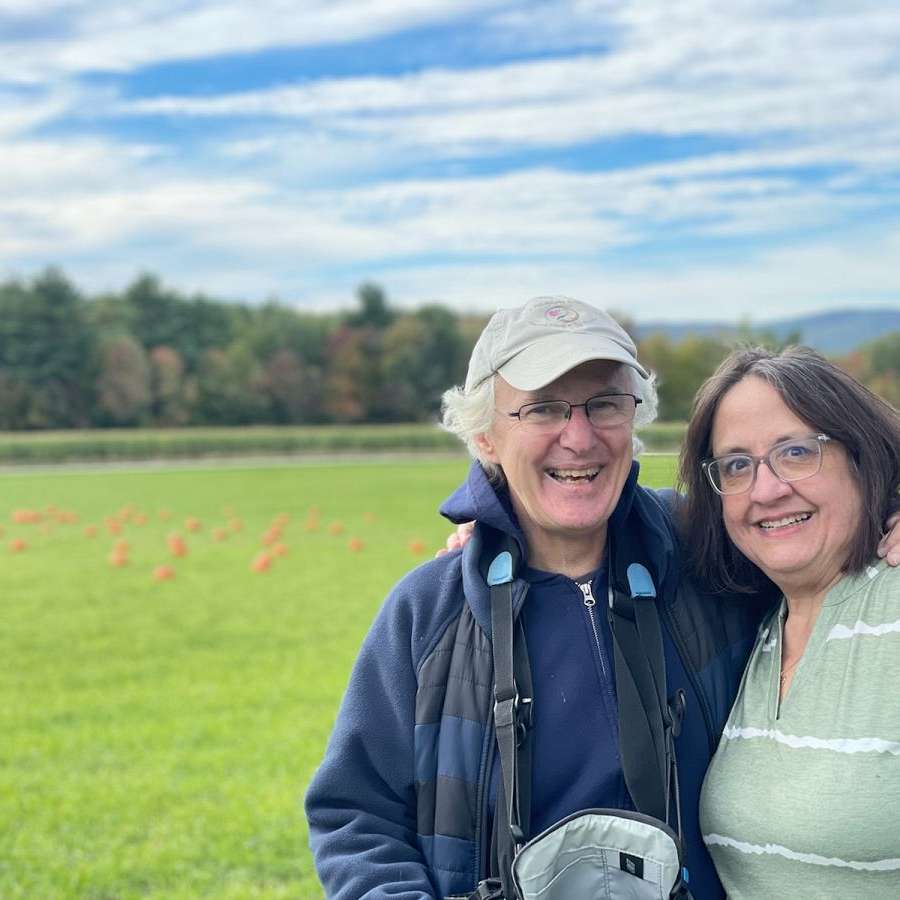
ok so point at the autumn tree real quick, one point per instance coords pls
(159, 317)
(172, 392)
(295, 388)
(877, 365)
(230, 388)
(346, 391)
(355, 385)
(423, 354)
(124, 391)
(680, 368)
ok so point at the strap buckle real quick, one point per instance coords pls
(489, 889)
(674, 712)
(524, 719)
(517, 713)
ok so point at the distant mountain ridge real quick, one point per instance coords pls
(836, 333)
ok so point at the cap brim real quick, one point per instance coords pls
(552, 356)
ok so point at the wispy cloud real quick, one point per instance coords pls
(85, 35)
(850, 76)
(575, 143)
(771, 285)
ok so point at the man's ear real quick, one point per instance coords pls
(486, 447)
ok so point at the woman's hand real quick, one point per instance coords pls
(888, 547)
(457, 539)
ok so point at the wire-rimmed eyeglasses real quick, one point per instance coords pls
(602, 411)
(791, 460)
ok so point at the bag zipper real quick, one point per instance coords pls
(632, 814)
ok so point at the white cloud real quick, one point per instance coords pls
(563, 100)
(315, 179)
(258, 251)
(765, 286)
(94, 190)
(540, 212)
(51, 168)
(101, 35)
(23, 111)
(747, 79)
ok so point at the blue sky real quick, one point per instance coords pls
(671, 160)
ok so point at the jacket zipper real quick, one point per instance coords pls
(590, 603)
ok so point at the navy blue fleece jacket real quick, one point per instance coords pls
(400, 807)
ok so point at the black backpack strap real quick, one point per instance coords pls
(640, 690)
(648, 720)
(513, 699)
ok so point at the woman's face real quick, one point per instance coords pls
(798, 533)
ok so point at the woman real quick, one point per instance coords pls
(803, 530)
(801, 468)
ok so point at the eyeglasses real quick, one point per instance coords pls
(792, 460)
(603, 411)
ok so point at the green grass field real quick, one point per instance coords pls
(157, 736)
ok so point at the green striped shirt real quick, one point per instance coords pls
(802, 798)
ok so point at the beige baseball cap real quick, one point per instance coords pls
(534, 344)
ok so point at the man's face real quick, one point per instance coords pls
(564, 485)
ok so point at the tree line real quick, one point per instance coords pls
(151, 356)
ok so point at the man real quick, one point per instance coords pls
(403, 803)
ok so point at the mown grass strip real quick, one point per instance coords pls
(37, 448)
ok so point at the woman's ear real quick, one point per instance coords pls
(486, 447)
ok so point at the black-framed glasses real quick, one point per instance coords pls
(602, 411)
(791, 460)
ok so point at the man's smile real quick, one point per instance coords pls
(573, 476)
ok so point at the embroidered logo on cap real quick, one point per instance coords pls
(563, 315)
(557, 312)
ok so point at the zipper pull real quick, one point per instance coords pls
(589, 600)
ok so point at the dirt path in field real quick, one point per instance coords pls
(237, 462)
(251, 462)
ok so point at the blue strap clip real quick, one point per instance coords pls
(500, 571)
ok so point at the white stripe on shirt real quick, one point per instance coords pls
(842, 632)
(878, 865)
(808, 742)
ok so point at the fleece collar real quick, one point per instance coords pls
(477, 499)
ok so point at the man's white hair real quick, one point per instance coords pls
(470, 415)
